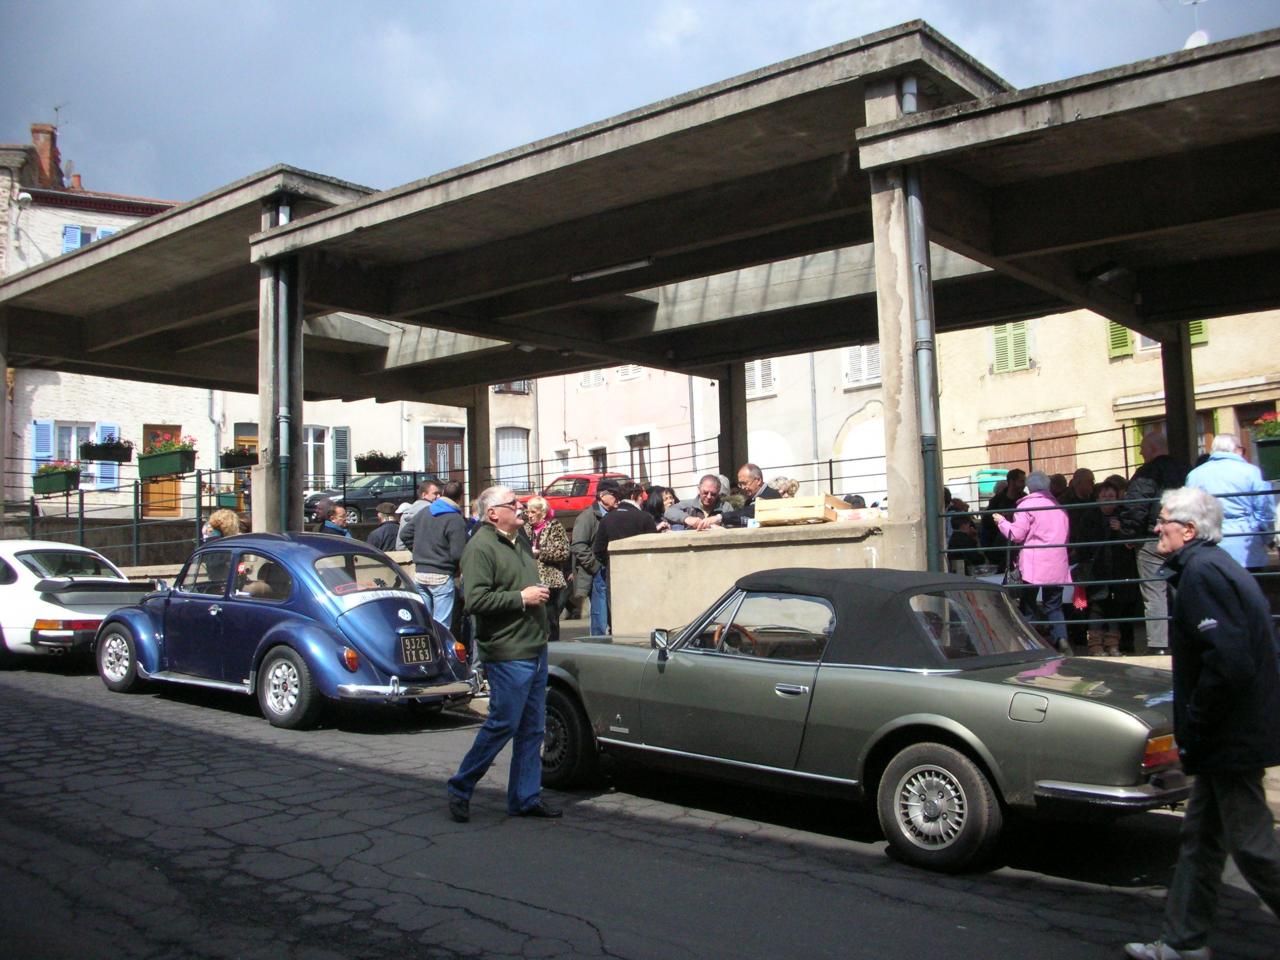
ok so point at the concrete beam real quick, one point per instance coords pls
(1179, 394)
(226, 294)
(479, 443)
(732, 388)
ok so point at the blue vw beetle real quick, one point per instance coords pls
(293, 618)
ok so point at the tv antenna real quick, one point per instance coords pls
(1198, 37)
(57, 112)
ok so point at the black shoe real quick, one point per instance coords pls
(460, 809)
(542, 810)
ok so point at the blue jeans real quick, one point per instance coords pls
(599, 604)
(517, 709)
(442, 602)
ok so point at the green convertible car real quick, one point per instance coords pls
(925, 692)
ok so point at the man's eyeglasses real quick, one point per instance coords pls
(510, 505)
(1162, 521)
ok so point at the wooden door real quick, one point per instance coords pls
(161, 497)
(444, 452)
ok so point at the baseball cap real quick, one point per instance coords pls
(402, 508)
(386, 508)
(607, 485)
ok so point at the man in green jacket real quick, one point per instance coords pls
(509, 606)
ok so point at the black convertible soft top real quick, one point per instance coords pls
(874, 624)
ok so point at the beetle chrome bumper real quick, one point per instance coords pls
(395, 690)
(1162, 790)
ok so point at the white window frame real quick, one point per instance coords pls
(511, 444)
(630, 371)
(591, 379)
(761, 381)
(860, 366)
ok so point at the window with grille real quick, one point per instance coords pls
(1010, 347)
(759, 376)
(861, 365)
(630, 371)
(590, 379)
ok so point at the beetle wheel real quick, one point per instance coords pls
(937, 808)
(117, 658)
(568, 745)
(286, 691)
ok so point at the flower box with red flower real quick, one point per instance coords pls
(166, 455)
(1266, 437)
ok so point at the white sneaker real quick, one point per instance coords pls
(1162, 951)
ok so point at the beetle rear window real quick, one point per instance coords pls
(344, 574)
(964, 624)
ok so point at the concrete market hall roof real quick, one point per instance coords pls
(649, 238)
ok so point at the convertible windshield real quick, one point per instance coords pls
(68, 563)
(349, 573)
(965, 624)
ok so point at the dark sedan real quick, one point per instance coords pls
(924, 692)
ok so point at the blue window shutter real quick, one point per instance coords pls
(107, 471)
(70, 237)
(341, 452)
(42, 440)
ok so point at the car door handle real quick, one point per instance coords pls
(790, 689)
(214, 610)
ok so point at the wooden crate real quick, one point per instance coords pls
(818, 509)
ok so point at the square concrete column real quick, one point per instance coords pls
(904, 465)
(4, 416)
(479, 444)
(279, 392)
(1179, 394)
(732, 387)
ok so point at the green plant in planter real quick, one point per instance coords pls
(166, 455)
(239, 456)
(375, 461)
(56, 476)
(110, 448)
(1266, 437)
(1266, 427)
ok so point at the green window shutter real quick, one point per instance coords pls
(1010, 346)
(1001, 333)
(1198, 331)
(1119, 340)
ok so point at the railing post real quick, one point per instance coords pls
(199, 506)
(670, 477)
(137, 523)
(1031, 457)
(831, 476)
(80, 517)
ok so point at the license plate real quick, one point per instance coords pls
(417, 649)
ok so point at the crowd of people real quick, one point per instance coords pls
(1045, 533)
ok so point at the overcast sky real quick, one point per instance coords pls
(173, 99)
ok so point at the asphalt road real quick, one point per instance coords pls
(180, 824)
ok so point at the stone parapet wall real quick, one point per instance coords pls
(666, 579)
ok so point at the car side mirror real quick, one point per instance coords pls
(658, 640)
(162, 585)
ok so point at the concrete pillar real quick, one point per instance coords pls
(904, 466)
(279, 389)
(479, 444)
(733, 419)
(1179, 395)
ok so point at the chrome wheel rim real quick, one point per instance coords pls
(553, 740)
(282, 687)
(932, 809)
(115, 657)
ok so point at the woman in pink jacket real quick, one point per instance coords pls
(1040, 526)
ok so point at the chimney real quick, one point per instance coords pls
(75, 182)
(48, 160)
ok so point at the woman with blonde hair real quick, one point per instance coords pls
(550, 546)
(785, 486)
(221, 523)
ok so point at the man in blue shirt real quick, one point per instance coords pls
(1248, 505)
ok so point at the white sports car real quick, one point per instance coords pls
(54, 595)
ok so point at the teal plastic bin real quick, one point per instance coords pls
(986, 480)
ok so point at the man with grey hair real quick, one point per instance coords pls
(1159, 472)
(1248, 505)
(1226, 717)
(701, 512)
(508, 602)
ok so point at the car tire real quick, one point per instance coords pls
(568, 746)
(286, 692)
(117, 659)
(937, 808)
(353, 514)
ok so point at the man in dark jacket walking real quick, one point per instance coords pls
(439, 536)
(509, 605)
(1159, 472)
(1226, 716)
(383, 536)
(588, 576)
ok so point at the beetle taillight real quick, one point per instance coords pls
(66, 624)
(350, 659)
(1160, 752)
(460, 651)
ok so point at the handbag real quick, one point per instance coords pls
(1013, 577)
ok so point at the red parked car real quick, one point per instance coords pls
(572, 493)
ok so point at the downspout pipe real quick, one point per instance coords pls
(925, 351)
(283, 418)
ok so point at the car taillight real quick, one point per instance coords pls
(67, 624)
(1161, 752)
(350, 659)
(460, 651)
